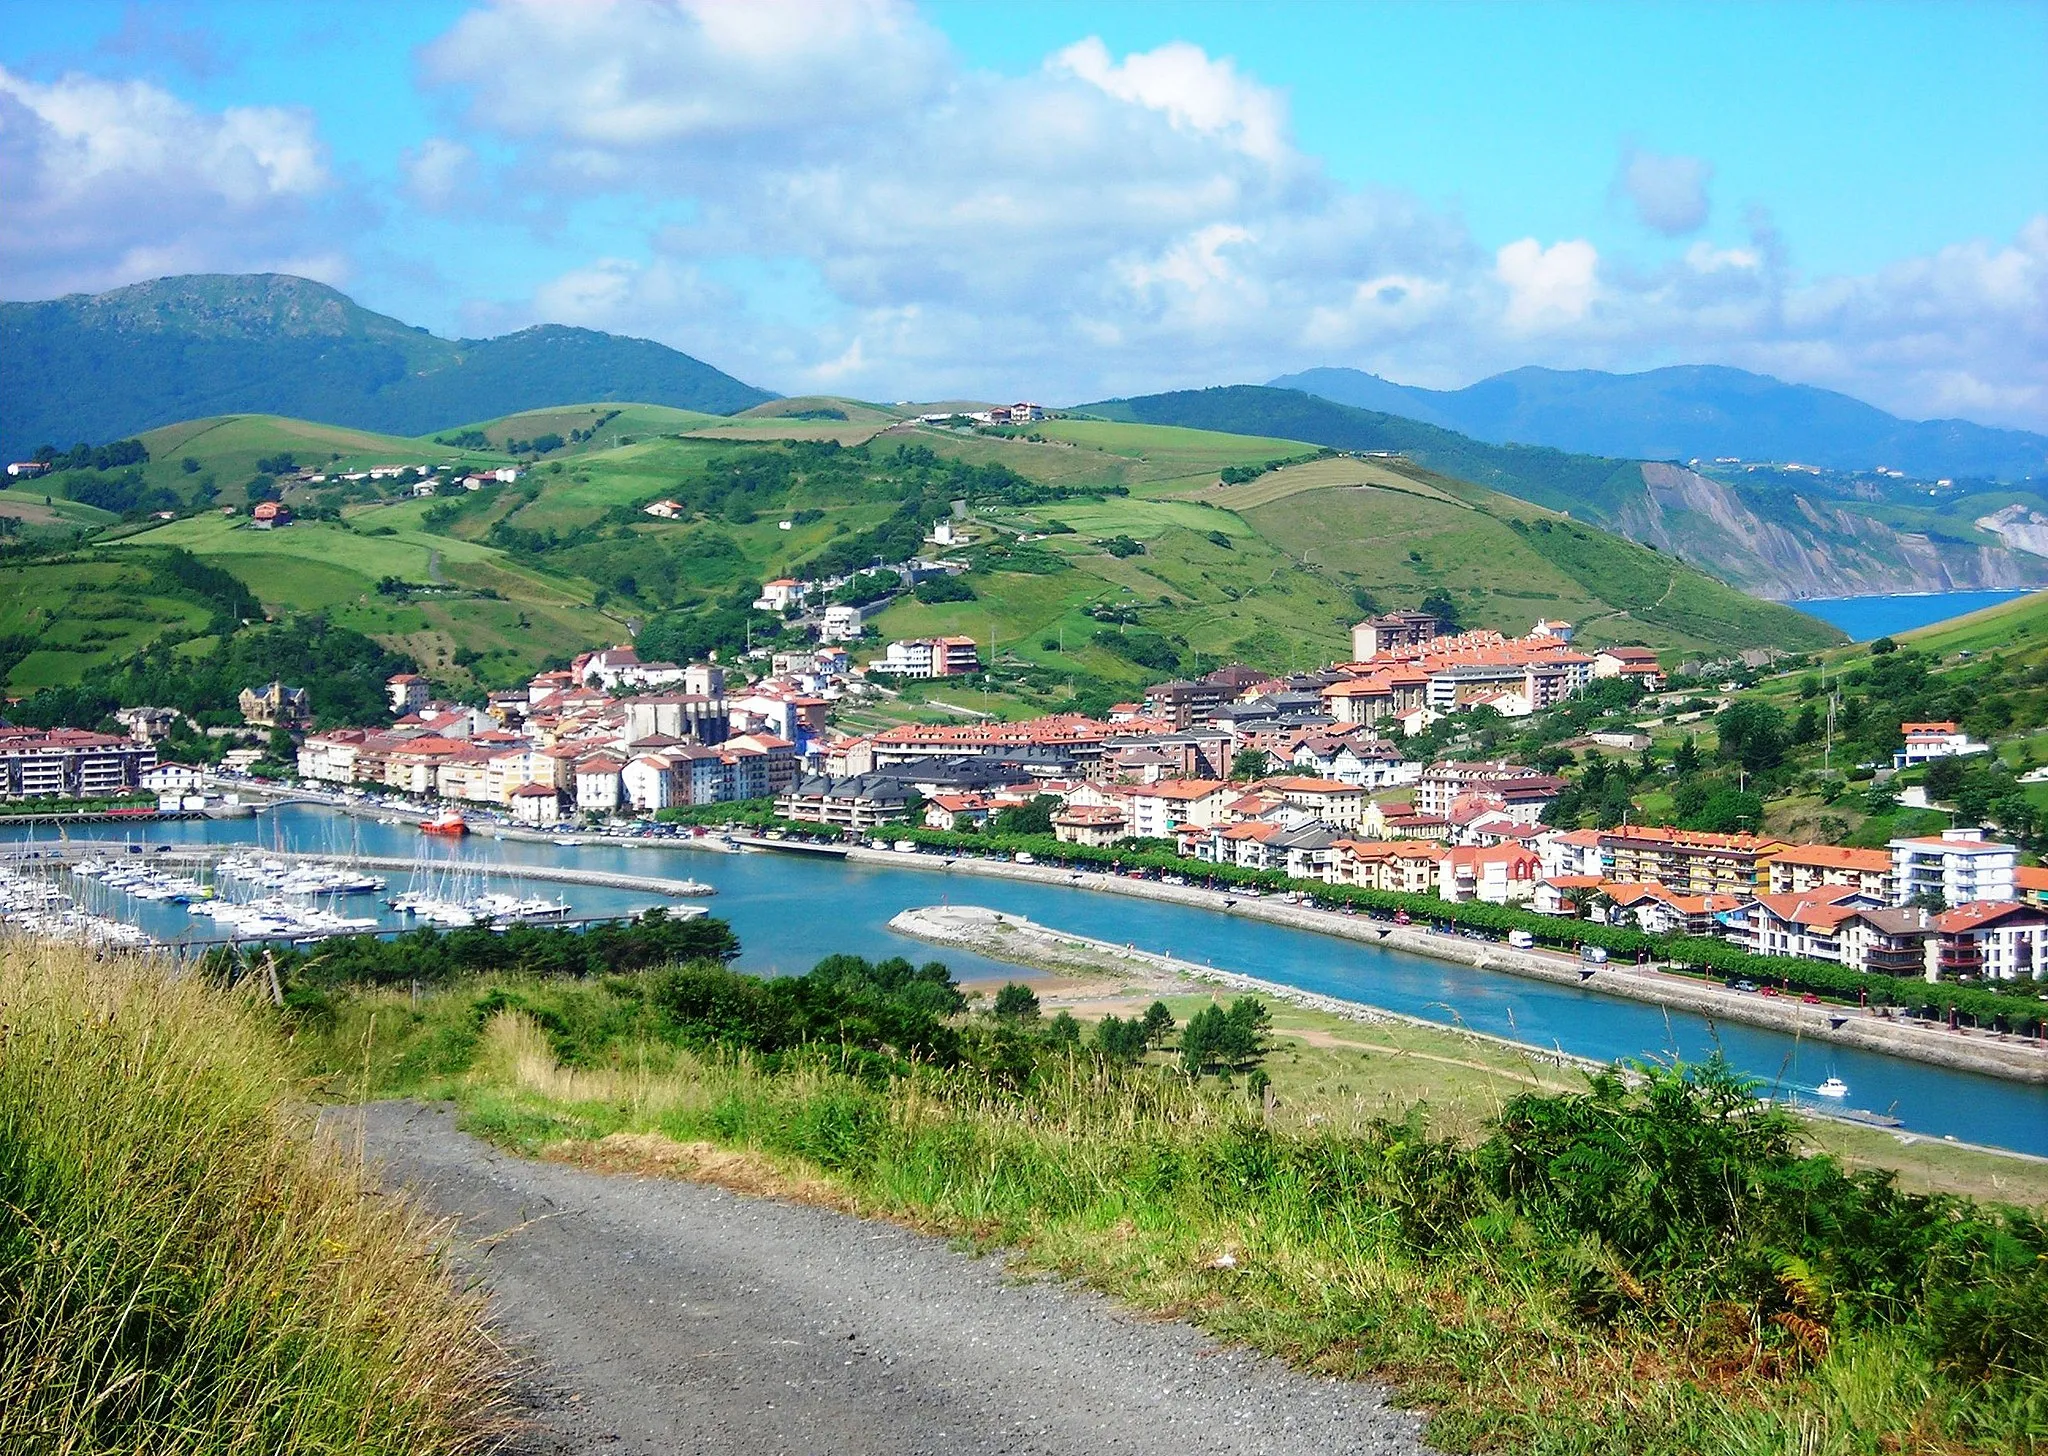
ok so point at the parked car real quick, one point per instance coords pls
(1593, 955)
(1521, 940)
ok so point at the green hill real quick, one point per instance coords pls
(1782, 534)
(106, 366)
(1103, 554)
(2015, 632)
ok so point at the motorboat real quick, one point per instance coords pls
(448, 823)
(1833, 1087)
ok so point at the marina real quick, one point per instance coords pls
(130, 894)
(791, 910)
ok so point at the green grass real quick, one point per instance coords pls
(321, 566)
(777, 420)
(37, 508)
(2017, 630)
(228, 447)
(1352, 1247)
(1301, 541)
(85, 612)
(610, 424)
(182, 1267)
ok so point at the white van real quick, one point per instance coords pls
(1521, 940)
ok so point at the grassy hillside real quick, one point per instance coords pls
(459, 608)
(73, 613)
(1104, 553)
(31, 513)
(227, 449)
(1787, 534)
(1303, 543)
(2016, 631)
(580, 428)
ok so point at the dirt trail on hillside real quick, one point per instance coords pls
(665, 1316)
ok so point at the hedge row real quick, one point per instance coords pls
(2007, 1010)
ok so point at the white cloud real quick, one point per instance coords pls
(1704, 257)
(1194, 91)
(1547, 287)
(620, 295)
(437, 171)
(1669, 192)
(110, 181)
(1112, 223)
(623, 74)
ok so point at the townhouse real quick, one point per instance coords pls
(1804, 922)
(1660, 910)
(1502, 874)
(1399, 867)
(1334, 803)
(929, 657)
(1095, 825)
(1925, 742)
(1995, 940)
(860, 803)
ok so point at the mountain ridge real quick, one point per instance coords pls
(1691, 411)
(110, 365)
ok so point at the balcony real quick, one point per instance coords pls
(1895, 961)
(1965, 959)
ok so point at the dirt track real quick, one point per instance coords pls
(665, 1316)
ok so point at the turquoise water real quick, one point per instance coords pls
(791, 910)
(1868, 618)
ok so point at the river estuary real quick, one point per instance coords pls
(791, 910)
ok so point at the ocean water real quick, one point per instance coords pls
(1867, 618)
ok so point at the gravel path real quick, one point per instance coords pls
(666, 1316)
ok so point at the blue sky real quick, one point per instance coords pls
(1068, 200)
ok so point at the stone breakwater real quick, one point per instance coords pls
(1000, 935)
(2012, 1058)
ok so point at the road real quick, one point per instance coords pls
(666, 1316)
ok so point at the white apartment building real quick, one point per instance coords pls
(1959, 865)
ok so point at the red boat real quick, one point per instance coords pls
(448, 823)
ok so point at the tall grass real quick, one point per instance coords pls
(1567, 1318)
(183, 1268)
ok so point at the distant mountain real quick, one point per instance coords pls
(101, 367)
(1692, 412)
(1772, 538)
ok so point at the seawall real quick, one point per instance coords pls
(2012, 1058)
